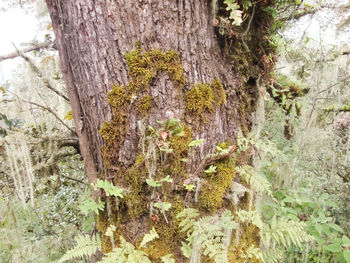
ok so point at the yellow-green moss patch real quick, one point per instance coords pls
(205, 97)
(216, 185)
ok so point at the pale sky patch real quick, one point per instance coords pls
(16, 27)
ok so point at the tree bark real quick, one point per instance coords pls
(94, 38)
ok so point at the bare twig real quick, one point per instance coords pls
(73, 179)
(47, 109)
(212, 158)
(299, 15)
(31, 47)
(40, 75)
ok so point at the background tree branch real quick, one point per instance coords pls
(41, 76)
(49, 110)
(31, 47)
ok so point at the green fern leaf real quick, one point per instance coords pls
(85, 247)
(149, 237)
(126, 253)
(168, 259)
(109, 188)
(91, 206)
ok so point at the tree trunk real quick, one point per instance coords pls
(130, 64)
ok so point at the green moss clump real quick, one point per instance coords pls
(250, 237)
(216, 185)
(118, 97)
(168, 233)
(136, 197)
(205, 97)
(143, 68)
(211, 197)
(225, 173)
(144, 104)
(179, 144)
(107, 131)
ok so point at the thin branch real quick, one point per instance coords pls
(31, 47)
(40, 75)
(73, 179)
(344, 53)
(334, 84)
(299, 15)
(247, 29)
(250, 21)
(212, 158)
(47, 109)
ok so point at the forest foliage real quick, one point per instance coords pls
(300, 175)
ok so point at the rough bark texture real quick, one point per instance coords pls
(93, 37)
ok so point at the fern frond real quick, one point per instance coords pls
(85, 247)
(126, 253)
(285, 232)
(255, 180)
(253, 252)
(273, 255)
(149, 237)
(110, 229)
(189, 215)
(109, 188)
(168, 259)
(208, 236)
(250, 217)
(186, 249)
(91, 205)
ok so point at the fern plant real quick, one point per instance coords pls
(279, 234)
(209, 235)
(168, 259)
(284, 232)
(149, 237)
(90, 205)
(127, 253)
(109, 188)
(84, 248)
(257, 181)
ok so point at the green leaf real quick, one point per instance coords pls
(149, 237)
(346, 240)
(91, 206)
(171, 124)
(211, 169)
(336, 227)
(333, 248)
(167, 150)
(319, 228)
(163, 205)
(246, 4)
(220, 150)
(186, 249)
(154, 183)
(84, 248)
(189, 187)
(109, 188)
(152, 130)
(346, 254)
(196, 143)
(179, 131)
(168, 259)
